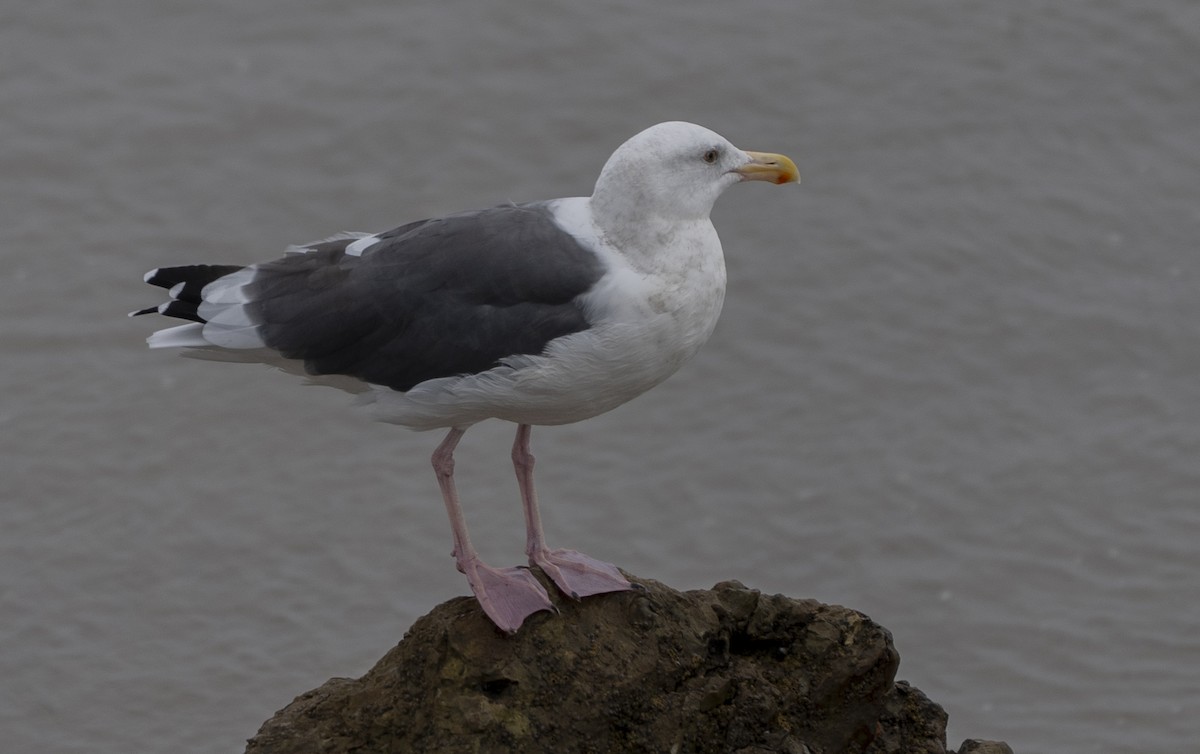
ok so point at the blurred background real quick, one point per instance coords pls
(954, 386)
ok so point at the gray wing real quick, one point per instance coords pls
(429, 299)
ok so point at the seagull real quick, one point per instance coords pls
(542, 313)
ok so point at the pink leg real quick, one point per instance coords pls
(507, 595)
(576, 574)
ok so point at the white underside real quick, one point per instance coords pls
(578, 377)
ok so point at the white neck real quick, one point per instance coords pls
(627, 221)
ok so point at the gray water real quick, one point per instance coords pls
(954, 386)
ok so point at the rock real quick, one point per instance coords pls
(652, 670)
(976, 746)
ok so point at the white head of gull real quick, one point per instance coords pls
(541, 313)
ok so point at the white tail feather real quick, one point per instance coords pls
(190, 335)
(229, 289)
(225, 315)
(232, 335)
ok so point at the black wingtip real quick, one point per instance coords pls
(186, 286)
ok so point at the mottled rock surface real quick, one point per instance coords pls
(654, 670)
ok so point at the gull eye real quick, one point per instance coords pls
(711, 156)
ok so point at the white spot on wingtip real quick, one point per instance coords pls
(150, 274)
(175, 291)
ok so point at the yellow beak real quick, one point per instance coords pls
(765, 166)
